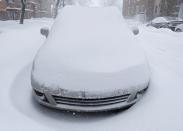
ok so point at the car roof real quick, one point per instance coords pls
(159, 20)
(166, 19)
(99, 32)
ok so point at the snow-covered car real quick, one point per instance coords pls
(159, 22)
(90, 62)
(166, 22)
(179, 28)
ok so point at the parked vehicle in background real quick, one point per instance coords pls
(90, 62)
(159, 22)
(166, 22)
(173, 22)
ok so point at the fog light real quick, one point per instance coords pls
(132, 97)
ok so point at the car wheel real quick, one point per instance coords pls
(178, 30)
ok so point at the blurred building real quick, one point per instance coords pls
(179, 8)
(133, 7)
(151, 8)
(45, 8)
(11, 9)
(181, 11)
(2, 9)
(2, 4)
(167, 7)
(156, 8)
(128, 8)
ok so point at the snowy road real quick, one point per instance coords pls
(160, 109)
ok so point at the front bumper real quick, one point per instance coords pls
(87, 105)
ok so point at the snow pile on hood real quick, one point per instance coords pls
(159, 20)
(89, 48)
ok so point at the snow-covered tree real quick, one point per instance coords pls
(167, 7)
(23, 2)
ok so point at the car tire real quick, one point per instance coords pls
(178, 30)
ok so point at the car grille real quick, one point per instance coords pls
(86, 101)
(91, 102)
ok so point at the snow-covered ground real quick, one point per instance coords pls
(160, 109)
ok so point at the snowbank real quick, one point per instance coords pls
(18, 45)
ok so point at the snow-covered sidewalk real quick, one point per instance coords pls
(160, 109)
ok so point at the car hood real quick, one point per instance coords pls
(90, 50)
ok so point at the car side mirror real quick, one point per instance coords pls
(44, 31)
(135, 30)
